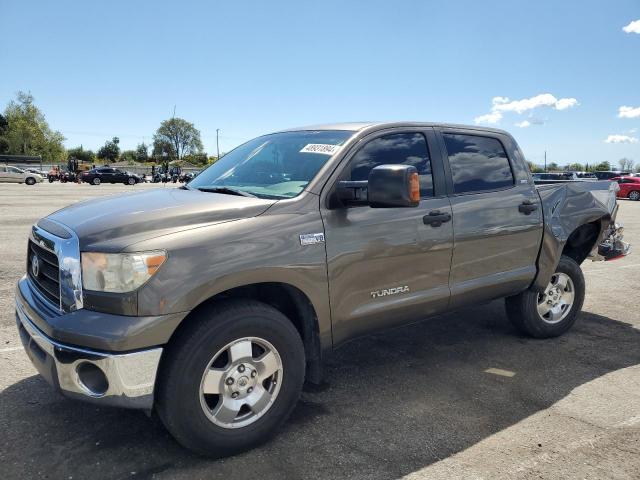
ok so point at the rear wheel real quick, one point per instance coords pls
(634, 195)
(95, 181)
(231, 378)
(554, 311)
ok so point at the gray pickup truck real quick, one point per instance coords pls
(211, 303)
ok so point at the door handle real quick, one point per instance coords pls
(527, 207)
(436, 218)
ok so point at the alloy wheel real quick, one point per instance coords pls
(241, 382)
(555, 303)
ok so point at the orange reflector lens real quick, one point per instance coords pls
(414, 187)
(153, 263)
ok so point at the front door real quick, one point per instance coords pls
(389, 266)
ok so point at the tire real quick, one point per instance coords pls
(95, 181)
(524, 310)
(634, 195)
(30, 181)
(191, 416)
(131, 181)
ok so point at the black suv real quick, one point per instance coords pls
(96, 176)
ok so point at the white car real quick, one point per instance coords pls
(10, 174)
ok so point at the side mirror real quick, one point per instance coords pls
(392, 186)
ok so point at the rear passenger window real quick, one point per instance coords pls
(397, 148)
(477, 163)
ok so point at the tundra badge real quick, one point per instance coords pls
(390, 291)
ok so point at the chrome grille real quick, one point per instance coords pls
(47, 281)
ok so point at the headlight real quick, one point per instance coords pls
(119, 272)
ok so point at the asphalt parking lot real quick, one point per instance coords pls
(416, 401)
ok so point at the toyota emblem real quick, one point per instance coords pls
(35, 266)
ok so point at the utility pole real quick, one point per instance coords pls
(217, 145)
(545, 160)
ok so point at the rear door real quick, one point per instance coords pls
(388, 266)
(497, 216)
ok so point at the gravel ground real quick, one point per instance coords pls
(417, 401)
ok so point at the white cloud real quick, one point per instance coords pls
(628, 112)
(498, 100)
(633, 27)
(499, 105)
(542, 100)
(493, 117)
(523, 124)
(566, 103)
(621, 139)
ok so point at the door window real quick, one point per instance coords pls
(477, 163)
(394, 149)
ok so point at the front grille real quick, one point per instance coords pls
(47, 282)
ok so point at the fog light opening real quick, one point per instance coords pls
(92, 379)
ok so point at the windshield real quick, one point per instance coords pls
(273, 166)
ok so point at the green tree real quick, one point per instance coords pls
(142, 152)
(553, 167)
(128, 156)
(200, 159)
(85, 156)
(533, 168)
(626, 164)
(4, 127)
(160, 148)
(576, 167)
(28, 133)
(110, 151)
(183, 137)
(602, 167)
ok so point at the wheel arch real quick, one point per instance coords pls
(292, 302)
(582, 240)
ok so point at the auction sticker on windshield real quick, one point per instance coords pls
(323, 148)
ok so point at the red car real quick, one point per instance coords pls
(629, 187)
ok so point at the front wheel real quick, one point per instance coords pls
(554, 311)
(131, 181)
(95, 181)
(30, 181)
(634, 195)
(230, 378)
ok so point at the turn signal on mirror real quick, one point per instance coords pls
(414, 187)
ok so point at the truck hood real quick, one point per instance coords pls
(111, 223)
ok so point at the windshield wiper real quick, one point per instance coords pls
(226, 190)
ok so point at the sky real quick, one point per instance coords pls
(561, 76)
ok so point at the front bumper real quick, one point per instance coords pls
(116, 379)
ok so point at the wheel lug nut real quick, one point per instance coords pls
(229, 381)
(253, 374)
(234, 395)
(250, 389)
(241, 368)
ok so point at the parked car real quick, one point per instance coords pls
(211, 303)
(629, 187)
(36, 171)
(609, 174)
(96, 176)
(551, 177)
(586, 176)
(11, 174)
